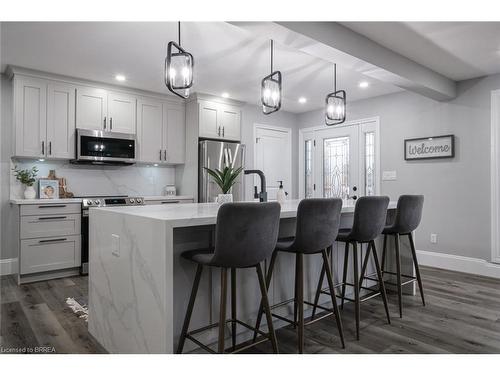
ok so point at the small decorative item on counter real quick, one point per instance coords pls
(27, 177)
(225, 179)
(170, 191)
(49, 189)
(63, 190)
(280, 194)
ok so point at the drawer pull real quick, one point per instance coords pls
(167, 202)
(52, 206)
(52, 218)
(53, 240)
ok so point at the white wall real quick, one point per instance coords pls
(457, 191)
(251, 115)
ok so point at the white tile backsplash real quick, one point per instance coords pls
(140, 180)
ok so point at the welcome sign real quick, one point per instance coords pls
(439, 147)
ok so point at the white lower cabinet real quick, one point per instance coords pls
(49, 240)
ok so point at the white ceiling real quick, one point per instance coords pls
(227, 59)
(457, 50)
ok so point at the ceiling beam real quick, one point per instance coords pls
(334, 42)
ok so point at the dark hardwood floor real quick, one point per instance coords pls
(462, 316)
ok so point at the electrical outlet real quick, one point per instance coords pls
(434, 238)
(115, 245)
(389, 175)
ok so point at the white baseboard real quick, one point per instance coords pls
(8, 266)
(458, 263)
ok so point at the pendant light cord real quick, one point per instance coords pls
(272, 48)
(334, 77)
(179, 32)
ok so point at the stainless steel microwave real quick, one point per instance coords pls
(101, 147)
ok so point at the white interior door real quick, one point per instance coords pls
(273, 156)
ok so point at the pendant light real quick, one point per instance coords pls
(335, 103)
(178, 68)
(270, 95)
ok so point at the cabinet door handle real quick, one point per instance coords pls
(104, 122)
(160, 155)
(165, 155)
(52, 218)
(50, 147)
(169, 202)
(111, 123)
(223, 131)
(218, 131)
(52, 206)
(43, 147)
(53, 240)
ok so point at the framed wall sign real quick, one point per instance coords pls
(439, 147)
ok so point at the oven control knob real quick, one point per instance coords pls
(132, 200)
(139, 200)
(96, 202)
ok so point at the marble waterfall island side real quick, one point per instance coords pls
(139, 285)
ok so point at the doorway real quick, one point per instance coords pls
(273, 156)
(340, 161)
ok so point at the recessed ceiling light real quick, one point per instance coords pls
(225, 95)
(364, 84)
(302, 100)
(120, 78)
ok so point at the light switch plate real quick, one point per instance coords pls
(115, 245)
(389, 175)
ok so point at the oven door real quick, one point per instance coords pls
(100, 147)
(84, 270)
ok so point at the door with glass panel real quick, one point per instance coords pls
(341, 161)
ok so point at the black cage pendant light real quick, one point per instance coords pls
(179, 66)
(335, 103)
(270, 95)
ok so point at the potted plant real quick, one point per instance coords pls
(27, 177)
(225, 179)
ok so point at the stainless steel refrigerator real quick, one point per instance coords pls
(217, 155)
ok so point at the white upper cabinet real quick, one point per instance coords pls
(121, 112)
(60, 121)
(150, 130)
(30, 117)
(219, 121)
(174, 131)
(91, 108)
(230, 120)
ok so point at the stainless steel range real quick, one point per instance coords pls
(100, 201)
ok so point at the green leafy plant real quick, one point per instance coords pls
(26, 176)
(226, 178)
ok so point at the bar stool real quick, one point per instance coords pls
(245, 235)
(369, 219)
(318, 222)
(407, 219)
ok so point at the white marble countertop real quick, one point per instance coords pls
(79, 200)
(193, 214)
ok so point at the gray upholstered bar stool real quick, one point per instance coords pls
(407, 219)
(318, 221)
(245, 235)
(369, 220)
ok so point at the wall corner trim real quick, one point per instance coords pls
(8, 266)
(458, 263)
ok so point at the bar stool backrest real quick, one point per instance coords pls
(369, 218)
(408, 213)
(318, 222)
(246, 233)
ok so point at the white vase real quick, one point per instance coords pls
(29, 192)
(224, 198)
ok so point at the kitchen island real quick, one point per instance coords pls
(139, 285)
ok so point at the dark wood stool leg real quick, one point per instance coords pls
(398, 275)
(295, 291)
(300, 301)
(318, 290)
(268, 283)
(233, 307)
(381, 281)
(356, 287)
(344, 275)
(329, 277)
(417, 269)
(189, 312)
(365, 264)
(222, 312)
(265, 304)
(384, 250)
